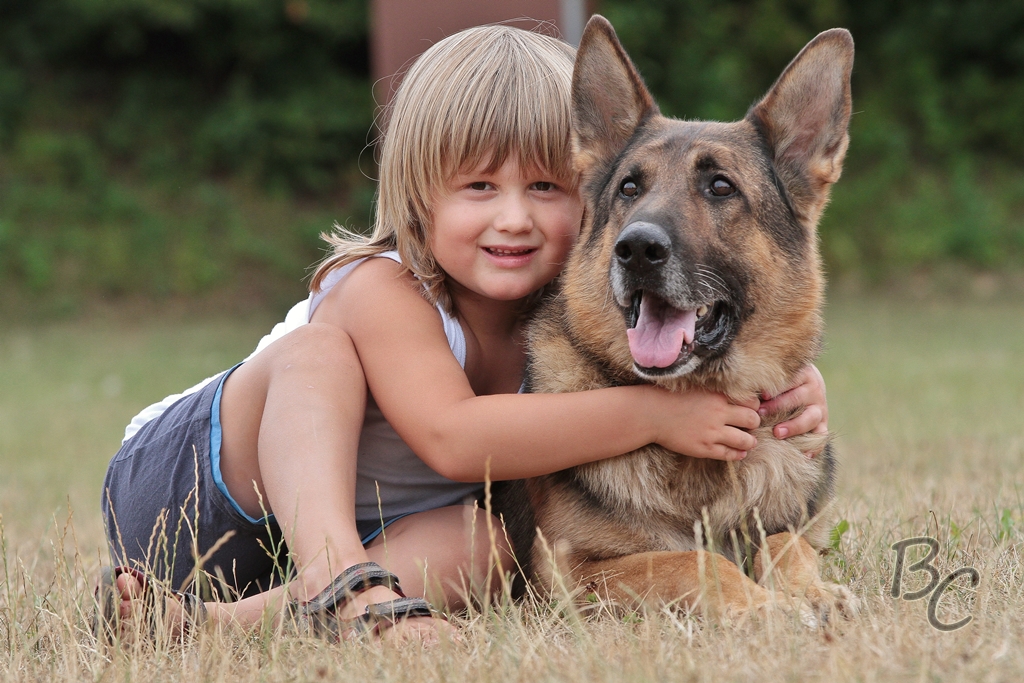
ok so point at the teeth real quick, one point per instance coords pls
(702, 311)
(508, 252)
(634, 308)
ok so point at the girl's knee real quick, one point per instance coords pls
(316, 346)
(320, 337)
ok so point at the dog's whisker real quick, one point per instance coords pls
(709, 278)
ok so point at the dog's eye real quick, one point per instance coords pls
(628, 189)
(720, 187)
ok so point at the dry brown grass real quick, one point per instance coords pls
(927, 397)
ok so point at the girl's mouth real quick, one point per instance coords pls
(510, 257)
(501, 251)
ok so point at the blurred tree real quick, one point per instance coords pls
(268, 88)
(144, 142)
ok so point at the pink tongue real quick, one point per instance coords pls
(660, 333)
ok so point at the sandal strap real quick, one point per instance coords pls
(355, 579)
(321, 613)
(193, 608)
(107, 616)
(389, 613)
(378, 617)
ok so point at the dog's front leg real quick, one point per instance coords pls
(793, 569)
(694, 580)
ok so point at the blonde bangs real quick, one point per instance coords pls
(524, 118)
(485, 95)
(516, 108)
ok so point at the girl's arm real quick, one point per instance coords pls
(426, 396)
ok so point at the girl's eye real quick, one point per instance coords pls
(629, 189)
(720, 187)
(543, 186)
(479, 186)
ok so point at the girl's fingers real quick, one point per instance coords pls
(738, 440)
(787, 400)
(808, 390)
(752, 402)
(811, 419)
(720, 452)
(744, 418)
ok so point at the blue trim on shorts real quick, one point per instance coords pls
(387, 522)
(215, 441)
(216, 437)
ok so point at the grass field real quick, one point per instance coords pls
(927, 398)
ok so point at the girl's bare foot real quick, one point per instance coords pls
(140, 613)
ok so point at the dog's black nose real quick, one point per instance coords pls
(642, 247)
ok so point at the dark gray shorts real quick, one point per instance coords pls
(163, 508)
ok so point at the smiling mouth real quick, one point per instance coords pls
(496, 251)
(661, 335)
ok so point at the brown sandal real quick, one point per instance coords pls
(320, 614)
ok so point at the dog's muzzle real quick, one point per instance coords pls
(672, 322)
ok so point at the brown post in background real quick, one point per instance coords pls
(402, 29)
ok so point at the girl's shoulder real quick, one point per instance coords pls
(326, 282)
(379, 278)
(378, 297)
(375, 290)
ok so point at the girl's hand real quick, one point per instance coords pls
(704, 425)
(809, 393)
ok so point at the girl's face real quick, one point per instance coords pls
(504, 234)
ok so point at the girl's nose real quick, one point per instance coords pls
(514, 216)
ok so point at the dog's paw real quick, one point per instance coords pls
(830, 600)
(777, 607)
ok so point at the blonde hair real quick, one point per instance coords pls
(486, 94)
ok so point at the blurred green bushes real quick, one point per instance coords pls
(168, 147)
(180, 147)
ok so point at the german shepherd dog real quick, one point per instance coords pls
(696, 268)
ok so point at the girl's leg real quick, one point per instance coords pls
(291, 420)
(298, 447)
(446, 555)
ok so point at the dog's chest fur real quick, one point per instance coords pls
(655, 497)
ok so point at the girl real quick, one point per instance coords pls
(384, 399)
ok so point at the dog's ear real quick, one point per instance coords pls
(609, 99)
(805, 118)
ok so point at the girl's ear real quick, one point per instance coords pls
(805, 117)
(609, 99)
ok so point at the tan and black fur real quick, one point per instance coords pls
(741, 253)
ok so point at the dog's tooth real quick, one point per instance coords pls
(702, 311)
